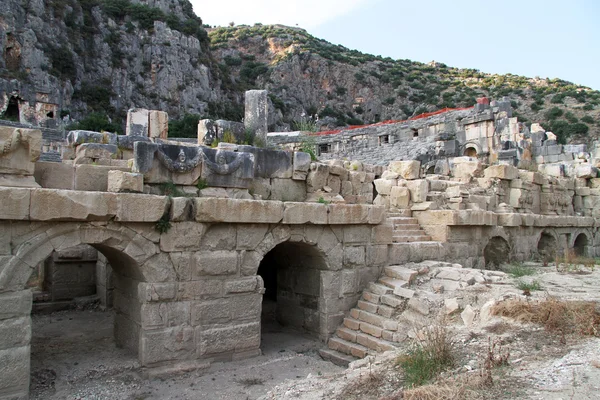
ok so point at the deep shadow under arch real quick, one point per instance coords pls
(496, 252)
(580, 245)
(292, 277)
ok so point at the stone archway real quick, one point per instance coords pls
(580, 245)
(129, 253)
(547, 246)
(496, 252)
(291, 273)
(470, 152)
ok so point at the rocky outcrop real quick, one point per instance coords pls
(74, 57)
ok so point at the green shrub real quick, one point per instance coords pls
(553, 113)
(519, 270)
(96, 122)
(588, 107)
(535, 107)
(186, 127)
(571, 117)
(587, 119)
(529, 286)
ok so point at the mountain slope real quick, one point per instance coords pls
(305, 74)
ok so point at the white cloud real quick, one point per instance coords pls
(306, 13)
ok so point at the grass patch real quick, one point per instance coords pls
(519, 270)
(428, 358)
(529, 286)
(566, 317)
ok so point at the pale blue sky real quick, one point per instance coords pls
(545, 38)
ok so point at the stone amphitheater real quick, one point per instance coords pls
(187, 243)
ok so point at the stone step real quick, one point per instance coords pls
(371, 329)
(346, 347)
(400, 233)
(400, 213)
(411, 239)
(406, 227)
(374, 343)
(367, 306)
(392, 283)
(371, 318)
(405, 274)
(336, 357)
(371, 297)
(352, 323)
(346, 334)
(379, 289)
(403, 220)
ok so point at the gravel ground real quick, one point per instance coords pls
(74, 357)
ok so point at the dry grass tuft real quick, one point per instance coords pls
(456, 388)
(564, 317)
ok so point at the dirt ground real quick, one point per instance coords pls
(74, 357)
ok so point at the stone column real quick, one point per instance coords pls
(15, 338)
(257, 113)
(158, 124)
(137, 122)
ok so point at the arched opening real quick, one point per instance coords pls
(547, 247)
(580, 245)
(12, 110)
(72, 334)
(496, 252)
(470, 152)
(292, 277)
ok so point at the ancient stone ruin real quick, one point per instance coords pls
(184, 240)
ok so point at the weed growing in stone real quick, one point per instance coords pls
(427, 358)
(519, 270)
(171, 190)
(163, 225)
(323, 201)
(201, 184)
(529, 286)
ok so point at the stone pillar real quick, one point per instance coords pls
(158, 124)
(137, 122)
(104, 285)
(206, 132)
(15, 338)
(257, 113)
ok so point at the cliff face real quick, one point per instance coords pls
(64, 59)
(79, 56)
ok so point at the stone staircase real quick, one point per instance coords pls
(406, 229)
(380, 321)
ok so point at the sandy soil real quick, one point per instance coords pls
(74, 357)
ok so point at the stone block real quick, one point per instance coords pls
(257, 113)
(137, 122)
(586, 171)
(195, 290)
(120, 181)
(21, 149)
(15, 304)
(140, 207)
(317, 177)
(418, 190)
(55, 205)
(304, 213)
(400, 197)
(406, 169)
(348, 214)
(240, 211)
(215, 263)
(15, 332)
(354, 257)
(52, 175)
(95, 151)
(230, 339)
(183, 236)
(287, 190)
(384, 186)
(169, 344)
(206, 132)
(301, 165)
(14, 203)
(507, 172)
(93, 177)
(14, 373)
(158, 124)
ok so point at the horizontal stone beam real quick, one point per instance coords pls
(212, 209)
(31, 204)
(488, 218)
